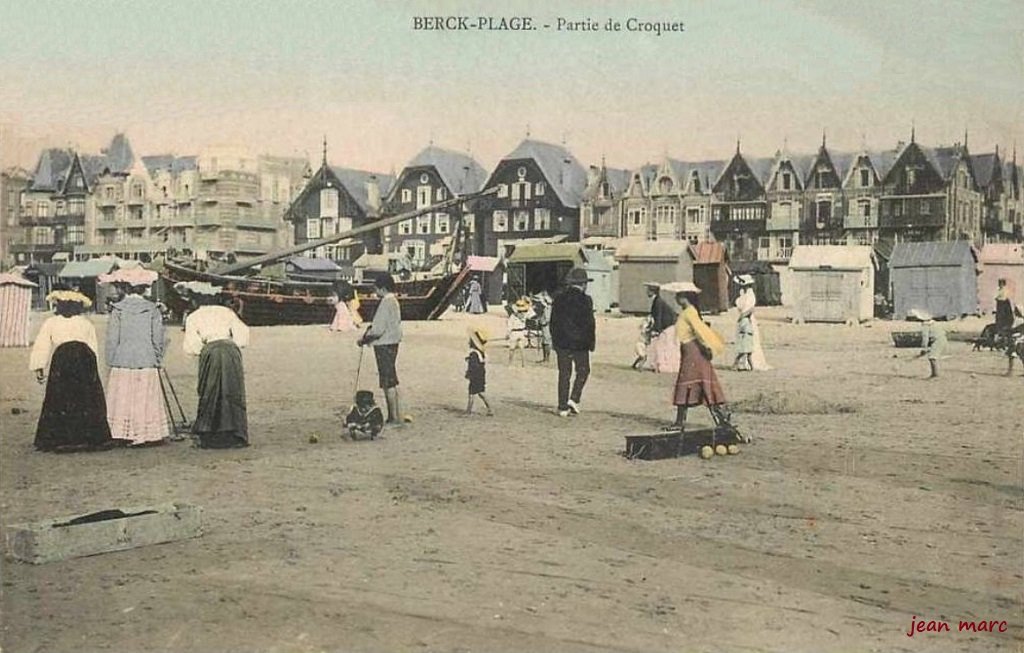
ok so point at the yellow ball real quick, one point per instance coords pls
(407, 419)
(721, 450)
(733, 449)
(706, 452)
(313, 439)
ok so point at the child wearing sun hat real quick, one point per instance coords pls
(476, 368)
(521, 311)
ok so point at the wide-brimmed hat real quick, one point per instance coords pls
(577, 277)
(522, 304)
(478, 336)
(680, 287)
(744, 280)
(652, 284)
(69, 296)
(920, 314)
(131, 276)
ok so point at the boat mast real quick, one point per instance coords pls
(234, 268)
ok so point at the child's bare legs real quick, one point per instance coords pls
(469, 404)
(934, 365)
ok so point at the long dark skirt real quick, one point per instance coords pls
(221, 420)
(74, 414)
(697, 383)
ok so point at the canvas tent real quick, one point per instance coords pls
(1001, 261)
(711, 275)
(937, 277)
(640, 261)
(832, 283)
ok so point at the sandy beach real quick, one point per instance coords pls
(869, 497)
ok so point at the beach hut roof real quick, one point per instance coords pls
(87, 269)
(8, 278)
(482, 263)
(1003, 253)
(596, 261)
(934, 254)
(708, 253)
(837, 257)
(547, 252)
(653, 249)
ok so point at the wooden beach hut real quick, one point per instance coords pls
(832, 283)
(532, 268)
(937, 277)
(1001, 261)
(711, 275)
(661, 261)
(15, 309)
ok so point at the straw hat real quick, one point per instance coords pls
(522, 304)
(69, 296)
(478, 336)
(680, 287)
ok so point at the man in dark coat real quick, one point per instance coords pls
(573, 337)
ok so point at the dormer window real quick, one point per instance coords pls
(665, 185)
(538, 188)
(695, 181)
(406, 195)
(602, 190)
(424, 178)
(787, 181)
(865, 177)
(911, 177)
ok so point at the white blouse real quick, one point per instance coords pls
(55, 332)
(210, 323)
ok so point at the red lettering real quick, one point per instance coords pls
(1002, 626)
(968, 625)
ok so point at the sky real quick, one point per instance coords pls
(277, 77)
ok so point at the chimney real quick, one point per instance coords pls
(592, 175)
(373, 194)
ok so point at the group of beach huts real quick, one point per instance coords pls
(820, 283)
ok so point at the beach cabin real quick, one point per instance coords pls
(15, 308)
(532, 268)
(711, 275)
(660, 261)
(832, 283)
(937, 277)
(1001, 261)
(83, 275)
(306, 268)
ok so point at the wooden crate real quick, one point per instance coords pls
(101, 532)
(658, 446)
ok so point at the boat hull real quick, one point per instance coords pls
(267, 302)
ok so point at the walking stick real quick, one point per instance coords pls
(167, 407)
(359, 367)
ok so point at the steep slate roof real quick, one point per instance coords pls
(119, 155)
(175, 164)
(563, 172)
(459, 172)
(984, 166)
(53, 163)
(354, 182)
(618, 182)
(944, 158)
(936, 254)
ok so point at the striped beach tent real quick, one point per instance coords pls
(15, 304)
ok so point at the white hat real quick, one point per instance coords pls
(680, 286)
(919, 314)
(744, 280)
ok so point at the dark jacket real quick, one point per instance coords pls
(135, 334)
(662, 314)
(572, 321)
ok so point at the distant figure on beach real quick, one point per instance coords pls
(216, 335)
(74, 412)
(643, 343)
(663, 351)
(476, 368)
(135, 350)
(1006, 312)
(749, 353)
(573, 334)
(474, 301)
(696, 384)
(344, 320)
(542, 311)
(385, 334)
(515, 329)
(933, 340)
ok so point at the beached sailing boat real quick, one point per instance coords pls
(261, 301)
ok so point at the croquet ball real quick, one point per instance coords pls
(706, 452)
(733, 449)
(721, 450)
(313, 439)
(407, 419)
